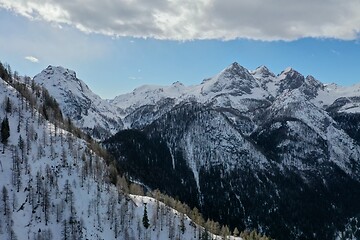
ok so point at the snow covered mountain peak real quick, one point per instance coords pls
(235, 70)
(148, 95)
(63, 78)
(234, 79)
(262, 72)
(177, 84)
(86, 109)
(289, 73)
(287, 70)
(60, 70)
(290, 79)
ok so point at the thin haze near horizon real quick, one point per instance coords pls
(118, 45)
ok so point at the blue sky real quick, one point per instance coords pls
(115, 58)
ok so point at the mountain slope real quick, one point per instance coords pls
(249, 148)
(56, 186)
(265, 151)
(86, 109)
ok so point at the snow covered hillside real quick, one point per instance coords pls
(54, 185)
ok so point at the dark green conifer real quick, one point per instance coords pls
(145, 219)
(5, 132)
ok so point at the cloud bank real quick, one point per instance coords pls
(200, 19)
(32, 59)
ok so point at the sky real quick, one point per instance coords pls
(118, 45)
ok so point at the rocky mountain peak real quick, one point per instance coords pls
(61, 71)
(87, 110)
(62, 79)
(290, 73)
(262, 72)
(310, 80)
(290, 79)
(235, 70)
(177, 84)
(235, 79)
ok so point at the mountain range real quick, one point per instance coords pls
(251, 149)
(57, 183)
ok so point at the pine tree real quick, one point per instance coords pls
(8, 105)
(5, 132)
(16, 171)
(5, 200)
(21, 144)
(236, 232)
(145, 219)
(9, 71)
(65, 230)
(46, 204)
(225, 232)
(205, 235)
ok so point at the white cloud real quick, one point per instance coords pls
(135, 78)
(200, 19)
(48, 43)
(32, 59)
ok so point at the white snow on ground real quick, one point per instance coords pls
(64, 189)
(294, 104)
(333, 91)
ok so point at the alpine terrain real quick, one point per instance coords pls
(58, 183)
(250, 149)
(78, 103)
